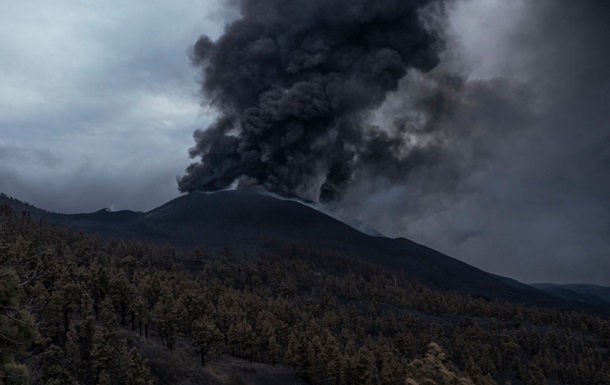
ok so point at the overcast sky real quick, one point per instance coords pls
(98, 100)
(98, 104)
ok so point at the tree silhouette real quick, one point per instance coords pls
(207, 336)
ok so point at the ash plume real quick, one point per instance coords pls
(513, 139)
(295, 83)
(478, 128)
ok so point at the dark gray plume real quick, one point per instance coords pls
(294, 81)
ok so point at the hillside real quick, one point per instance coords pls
(248, 221)
(76, 309)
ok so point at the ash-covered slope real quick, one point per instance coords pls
(247, 220)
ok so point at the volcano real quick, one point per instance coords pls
(251, 220)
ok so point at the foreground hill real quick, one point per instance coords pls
(76, 309)
(248, 221)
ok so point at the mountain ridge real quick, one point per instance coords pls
(251, 220)
(593, 294)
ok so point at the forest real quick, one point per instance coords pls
(78, 309)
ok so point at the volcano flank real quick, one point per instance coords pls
(249, 221)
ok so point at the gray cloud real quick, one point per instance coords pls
(90, 188)
(24, 154)
(519, 129)
(99, 88)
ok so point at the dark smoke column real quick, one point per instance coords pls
(293, 81)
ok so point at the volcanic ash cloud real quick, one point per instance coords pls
(295, 83)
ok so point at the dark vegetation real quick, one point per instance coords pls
(77, 309)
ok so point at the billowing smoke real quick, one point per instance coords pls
(477, 127)
(513, 132)
(295, 83)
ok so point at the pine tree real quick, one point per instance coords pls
(316, 359)
(166, 313)
(87, 332)
(102, 350)
(104, 378)
(108, 315)
(434, 369)
(17, 329)
(53, 365)
(137, 372)
(274, 350)
(244, 336)
(207, 336)
(73, 356)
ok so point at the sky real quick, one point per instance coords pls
(99, 102)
